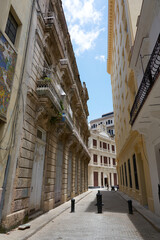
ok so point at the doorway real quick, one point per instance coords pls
(95, 174)
(59, 172)
(69, 180)
(37, 171)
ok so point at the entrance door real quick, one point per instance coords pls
(115, 179)
(76, 177)
(69, 182)
(106, 182)
(37, 172)
(95, 179)
(58, 179)
(101, 179)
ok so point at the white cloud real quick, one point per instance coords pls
(83, 23)
(100, 58)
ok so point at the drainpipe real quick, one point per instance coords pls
(19, 91)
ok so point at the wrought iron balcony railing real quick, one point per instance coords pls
(149, 78)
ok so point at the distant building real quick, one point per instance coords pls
(107, 119)
(102, 167)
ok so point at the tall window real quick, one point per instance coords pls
(101, 160)
(94, 143)
(114, 161)
(130, 176)
(122, 175)
(104, 145)
(100, 144)
(94, 158)
(105, 161)
(135, 172)
(126, 174)
(11, 28)
(108, 147)
(113, 148)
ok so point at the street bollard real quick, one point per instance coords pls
(130, 207)
(72, 205)
(99, 202)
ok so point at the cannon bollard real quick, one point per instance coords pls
(99, 202)
(130, 207)
(72, 205)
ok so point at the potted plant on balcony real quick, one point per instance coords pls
(60, 115)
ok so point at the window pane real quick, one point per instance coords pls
(11, 28)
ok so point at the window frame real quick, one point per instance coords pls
(11, 28)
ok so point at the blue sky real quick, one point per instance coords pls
(87, 23)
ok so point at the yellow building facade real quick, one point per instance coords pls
(132, 163)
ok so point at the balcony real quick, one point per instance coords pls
(150, 76)
(46, 88)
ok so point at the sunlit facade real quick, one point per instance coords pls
(145, 112)
(102, 166)
(133, 169)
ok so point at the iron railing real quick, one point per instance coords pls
(150, 76)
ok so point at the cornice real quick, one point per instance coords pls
(111, 4)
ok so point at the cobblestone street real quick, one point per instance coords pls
(115, 223)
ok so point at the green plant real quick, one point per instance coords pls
(62, 106)
(47, 79)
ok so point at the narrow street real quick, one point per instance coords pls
(85, 223)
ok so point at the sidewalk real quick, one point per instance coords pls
(85, 224)
(41, 221)
(148, 215)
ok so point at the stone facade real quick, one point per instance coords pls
(13, 47)
(106, 119)
(132, 164)
(102, 167)
(52, 164)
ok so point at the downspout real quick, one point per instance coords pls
(19, 91)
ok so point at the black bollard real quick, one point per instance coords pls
(99, 202)
(72, 205)
(130, 207)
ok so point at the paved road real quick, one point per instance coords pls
(114, 224)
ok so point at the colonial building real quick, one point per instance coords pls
(102, 167)
(50, 165)
(107, 119)
(145, 111)
(132, 164)
(14, 28)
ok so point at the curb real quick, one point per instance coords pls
(153, 219)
